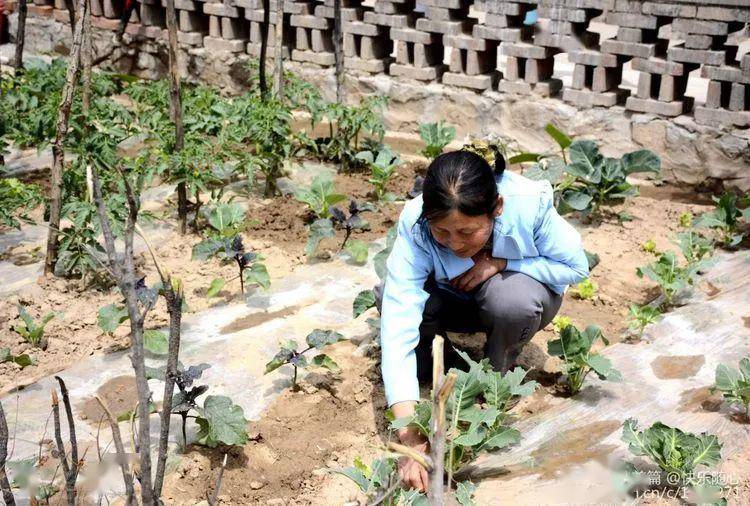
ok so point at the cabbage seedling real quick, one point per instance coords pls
(435, 136)
(382, 167)
(320, 197)
(641, 316)
(725, 219)
(574, 348)
(585, 290)
(32, 332)
(734, 384)
(288, 354)
(649, 246)
(672, 278)
(674, 451)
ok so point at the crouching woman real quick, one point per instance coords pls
(481, 250)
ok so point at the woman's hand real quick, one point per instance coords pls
(485, 266)
(412, 474)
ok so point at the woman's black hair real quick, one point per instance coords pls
(460, 180)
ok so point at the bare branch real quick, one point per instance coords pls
(420, 458)
(23, 9)
(212, 500)
(70, 479)
(127, 476)
(4, 483)
(70, 492)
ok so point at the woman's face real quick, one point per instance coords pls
(464, 235)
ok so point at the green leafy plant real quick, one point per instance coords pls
(671, 277)
(435, 136)
(686, 219)
(695, 247)
(16, 200)
(734, 384)
(574, 348)
(225, 243)
(585, 290)
(346, 124)
(382, 168)
(725, 219)
(559, 322)
(476, 413)
(320, 197)
(23, 360)
(673, 450)
(31, 331)
(641, 316)
(649, 246)
(111, 316)
(582, 177)
(379, 483)
(316, 340)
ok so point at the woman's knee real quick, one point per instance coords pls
(507, 299)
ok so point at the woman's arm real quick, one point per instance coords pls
(561, 259)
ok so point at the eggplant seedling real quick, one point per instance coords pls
(326, 227)
(32, 332)
(574, 348)
(316, 340)
(734, 384)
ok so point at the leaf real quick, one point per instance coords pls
(362, 302)
(226, 217)
(592, 259)
(319, 230)
(500, 438)
(324, 361)
(642, 160)
(319, 339)
(258, 274)
(465, 493)
(562, 139)
(206, 249)
(576, 200)
(550, 169)
(585, 161)
(216, 285)
(282, 357)
(356, 475)
(602, 366)
(524, 157)
(358, 250)
(155, 341)
(111, 316)
(221, 421)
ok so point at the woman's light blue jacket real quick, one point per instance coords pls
(529, 233)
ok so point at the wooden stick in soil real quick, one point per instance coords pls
(68, 472)
(441, 389)
(86, 56)
(175, 109)
(264, 48)
(338, 51)
(58, 150)
(278, 77)
(212, 500)
(4, 483)
(71, 430)
(23, 10)
(127, 476)
(126, 279)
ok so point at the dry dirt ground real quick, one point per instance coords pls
(333, 419)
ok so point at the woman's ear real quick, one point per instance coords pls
(498, 207)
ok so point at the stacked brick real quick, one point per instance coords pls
(665, 41)
(473, 60)
(728, 96)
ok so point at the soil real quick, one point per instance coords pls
(335, 419)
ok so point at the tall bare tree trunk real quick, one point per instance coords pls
(58, 150)
(71, 14)
(4, 483)
(338, 51)
(86, 56)
(264, 48)
(23, 9)
(175, 109)
(278, 80)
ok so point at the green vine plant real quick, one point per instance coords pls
(316, 340)
(436, 136)
(734, 384)
(727, 219)
(573, 347)
(678, 454)
(224, 241)
(31, 331)
(583, 179)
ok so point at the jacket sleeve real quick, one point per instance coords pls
(561, 259)
(404, 300)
